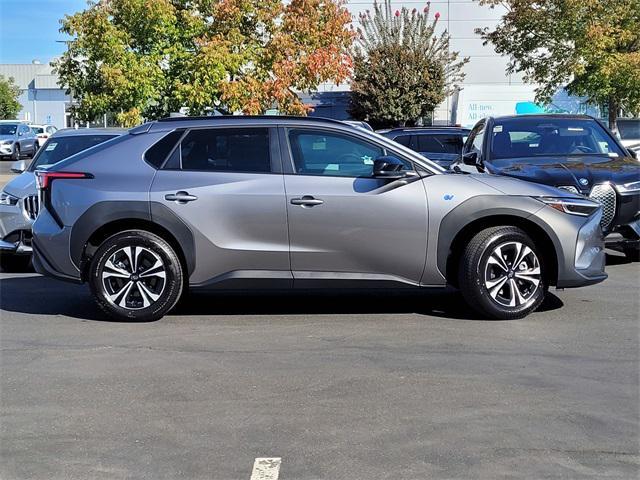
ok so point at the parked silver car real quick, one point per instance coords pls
(287, 202)
(19, 199)
(17, 139)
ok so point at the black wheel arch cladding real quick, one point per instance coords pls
(102, 215)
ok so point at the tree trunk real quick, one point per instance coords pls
(613, 113)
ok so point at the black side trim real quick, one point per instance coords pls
(164, 216)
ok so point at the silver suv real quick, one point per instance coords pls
(17, 139)
(289, 202)
(19, 198)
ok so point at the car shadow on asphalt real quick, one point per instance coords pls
(37, 295)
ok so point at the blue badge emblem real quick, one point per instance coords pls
(584, 182)
(448, 196)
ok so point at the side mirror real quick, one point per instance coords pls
(19, 166)
(388, 166)
(470, 158)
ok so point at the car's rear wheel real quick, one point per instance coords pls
(501, 273)
(136, 276)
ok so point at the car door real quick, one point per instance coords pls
(226, 185)
(344, 224)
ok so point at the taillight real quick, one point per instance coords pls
(45, 178)
(42, 135)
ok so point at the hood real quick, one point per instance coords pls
(581, 172)
(22, 185)
(513, 186)
(7, 137)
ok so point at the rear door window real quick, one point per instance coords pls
(244, 150)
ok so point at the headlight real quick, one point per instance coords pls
(629, 187)
(6, 142)
(572, 206)
(6, 199)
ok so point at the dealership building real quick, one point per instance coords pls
(42, 99)
(487, 88)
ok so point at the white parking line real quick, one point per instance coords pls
(266, 469)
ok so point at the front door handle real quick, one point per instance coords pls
(306, 201)
(180, 197)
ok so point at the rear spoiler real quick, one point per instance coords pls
(144, 128)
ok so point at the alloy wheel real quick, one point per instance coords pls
(134, 277)
(512, 274)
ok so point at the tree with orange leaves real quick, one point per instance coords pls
(147, 58)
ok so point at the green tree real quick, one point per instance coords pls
(147, 58)
(9, 93)
(590, 47)
(402, 68)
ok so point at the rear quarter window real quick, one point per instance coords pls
(158, 153)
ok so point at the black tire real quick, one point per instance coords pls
(16, 153)
(36, 147)
(15, 263)
(475, 266)
(153, 249)
(632, 253)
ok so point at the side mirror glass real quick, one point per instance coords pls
(470, 158)
(19, 166)
(388, 166)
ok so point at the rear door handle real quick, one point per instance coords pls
(180, 197)
(307, 201)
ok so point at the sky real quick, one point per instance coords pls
(29, 29)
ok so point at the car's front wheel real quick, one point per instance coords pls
(501, 273)
(136, 276)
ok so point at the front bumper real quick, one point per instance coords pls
(579, 247)
(15, 230)
(6, 150)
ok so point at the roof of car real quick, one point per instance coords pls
(428, 129)
(545, 115)
(187, 122)
(73, 132)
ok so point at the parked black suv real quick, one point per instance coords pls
(573, 152)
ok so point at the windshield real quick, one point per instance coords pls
(59, 148)
(37, 129)
(533, 137)
(8, 129)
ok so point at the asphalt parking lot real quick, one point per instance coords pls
(378, 386)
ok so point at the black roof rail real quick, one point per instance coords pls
(257, 117)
